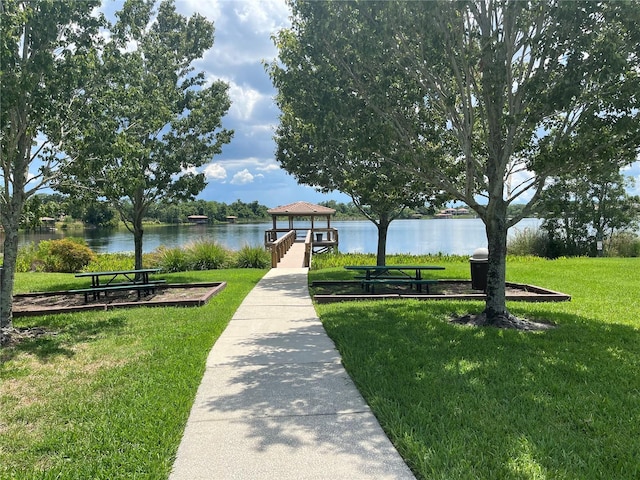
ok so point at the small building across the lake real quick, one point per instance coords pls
(198, 219)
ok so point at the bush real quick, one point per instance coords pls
(65, 255)
(172, 259)
(106, 262)
(623, 244)
(206, 255)
(529, 242)
(27, 258)
(253, 257)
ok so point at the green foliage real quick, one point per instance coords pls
(200, 255)
(47, 49)
(252, 257)
(331, 136)
(61, 255)
(529, 242)
(105, 262)
(27, 258)
(172, 259)
(443, 393)
(587, 205)
(155, 121)
(206, 255)
(622, 244)
(485, 101)
(107, 394)
(334, 260)
(65, 255)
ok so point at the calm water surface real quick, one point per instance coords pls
(448, 236)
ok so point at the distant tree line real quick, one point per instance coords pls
(351, 211)
(97, 214)
(102, 215)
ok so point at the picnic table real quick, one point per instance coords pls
(103, 282)
(394, 275)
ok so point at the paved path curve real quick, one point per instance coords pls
(276, 403)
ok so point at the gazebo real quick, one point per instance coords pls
(198, 219)
(323, 238)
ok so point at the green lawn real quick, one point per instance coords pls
(467, 403)
(109, 394)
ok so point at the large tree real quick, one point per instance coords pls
(155, 121)
(46, 54)
(330, 138)
(500, 96)
(586, 207)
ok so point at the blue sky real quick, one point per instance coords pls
(247, 169)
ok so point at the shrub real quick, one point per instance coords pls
(64, 255)
(172, 259)
(27, 258)
(252, 257)
(623, 244)
(529, 242)
(110, 262)
(206, 255)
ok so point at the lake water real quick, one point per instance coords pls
(459, 236)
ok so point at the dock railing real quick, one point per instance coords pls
(308, 249)
(281, 246)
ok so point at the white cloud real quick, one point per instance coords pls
(244, 100)
(263, 16)
(215, 171)
(212, 9)
(242, 177)
(252, 163)
(271, 167)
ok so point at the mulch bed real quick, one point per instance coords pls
(340, 291)
(179, 295)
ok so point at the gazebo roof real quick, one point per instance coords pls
(301, 209)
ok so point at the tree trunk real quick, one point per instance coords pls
(496, 228)
(10, 224)
(383, 228)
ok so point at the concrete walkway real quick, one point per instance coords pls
(276, 403)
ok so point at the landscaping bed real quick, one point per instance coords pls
(177, 294)
(328, 291)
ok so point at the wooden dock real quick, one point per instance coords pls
(294, 258)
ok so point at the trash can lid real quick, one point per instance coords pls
(480, 254)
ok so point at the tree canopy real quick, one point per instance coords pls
(155, 120)
(332, 139)
(486, 100)
(47, 51)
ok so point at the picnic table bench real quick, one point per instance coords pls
(384, 274)
(119, 280)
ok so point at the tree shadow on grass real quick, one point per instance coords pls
(49, 336)
(495, 402)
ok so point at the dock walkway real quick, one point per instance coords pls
(294, 258)
(275, 401)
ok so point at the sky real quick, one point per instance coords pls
(246, 169)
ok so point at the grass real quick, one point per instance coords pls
(108, 394)
(468, 403)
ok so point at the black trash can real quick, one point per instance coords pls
(318, 237)
(479, 267)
